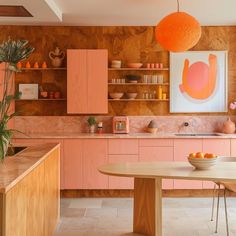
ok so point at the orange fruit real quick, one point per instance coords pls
(211, 155)
(192, 155)
(199, 155)
(207, 155)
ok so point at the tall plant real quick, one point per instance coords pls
(11, 52)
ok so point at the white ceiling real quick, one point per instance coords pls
(119, 12)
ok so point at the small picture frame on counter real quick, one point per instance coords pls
(29, 91)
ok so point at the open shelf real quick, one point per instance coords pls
(138, 69)
(43, 69)
(42, 99)
(138, 100)
(139, 84)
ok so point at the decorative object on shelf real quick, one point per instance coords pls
(36, 65)
(116, 96)
(57, 57)
(160, 79)
(19, 65)
(27, 65)
(57, 95)
(29, 91)
(184, 33)
(133, 78)
(51, 95)
(100, 128)
(44, 65)
(116, 64)
(120, 125)
(199, 86)
(43, 94)
(159, 92)
(228, 127)
(152, 127)
(134, 65)
(11, 53)
(164, 97)
(92, 124)
(148, 65)
(131, 95)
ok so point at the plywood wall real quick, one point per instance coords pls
(129, 44)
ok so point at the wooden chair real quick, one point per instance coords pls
(228, 186)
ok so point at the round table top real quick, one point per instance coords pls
(223, 171)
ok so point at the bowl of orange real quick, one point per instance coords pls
(202, 161)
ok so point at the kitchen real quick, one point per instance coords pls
(118, 78)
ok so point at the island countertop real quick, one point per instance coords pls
(15, 168)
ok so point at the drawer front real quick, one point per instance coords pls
(156, 143)
(124, 146)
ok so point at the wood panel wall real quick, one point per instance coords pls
(129, 44)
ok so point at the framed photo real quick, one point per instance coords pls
(29, 91)
(198, 82)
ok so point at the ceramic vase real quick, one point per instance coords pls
(229, 127)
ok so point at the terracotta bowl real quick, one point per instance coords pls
(202, 163)
(116, 96)
(131, 95)
(152, 130)
(134, 65)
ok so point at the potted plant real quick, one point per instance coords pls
(92, 124)
(11, 52)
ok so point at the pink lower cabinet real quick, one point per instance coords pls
(156, 154)
(220, 147)
(94, 155)
(73, 150)
(121, 182)
(123, 146)
(182, 148)
(233, 148)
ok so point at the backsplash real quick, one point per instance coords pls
(78, 124)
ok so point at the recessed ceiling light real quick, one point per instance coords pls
(14, 11)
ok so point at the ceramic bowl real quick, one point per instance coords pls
(203, 163)
(134, 65)
(116, 96)
(131, 95)
(152, 130)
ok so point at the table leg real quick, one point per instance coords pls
(148, 206)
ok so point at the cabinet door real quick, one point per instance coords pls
(121, 182)
(233, 148)
(123, 146)
(220, 147)
(73, 164)
(94, 156)
(182, 148)
(77, 86)
(156, 154)
(97, 75)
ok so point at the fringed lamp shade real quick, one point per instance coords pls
(178, 32)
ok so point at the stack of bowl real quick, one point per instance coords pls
(116, 64)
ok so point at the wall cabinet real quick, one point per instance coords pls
(87, 81)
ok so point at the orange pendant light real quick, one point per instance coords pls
(178, 32)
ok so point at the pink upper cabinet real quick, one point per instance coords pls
(87, 82)
(182, 148)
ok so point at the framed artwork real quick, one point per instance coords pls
(198, 82)
(29, 91)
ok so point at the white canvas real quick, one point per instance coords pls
(197, 92)
(29, 91)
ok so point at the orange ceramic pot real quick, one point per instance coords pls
(228, 127)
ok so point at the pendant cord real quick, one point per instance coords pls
(178, 5)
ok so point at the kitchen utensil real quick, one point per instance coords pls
(134, 65)
(131, 95)
(116, 96)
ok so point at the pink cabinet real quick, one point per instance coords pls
(156, 154)
(123, 146)
(87, 81)
(220, 147)
(121, 182)
(233, 148)
(94, 155)
(73, 177)
(182, 148)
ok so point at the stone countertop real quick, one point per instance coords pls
(121, 136)
(16, 167)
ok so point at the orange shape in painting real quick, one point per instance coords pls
(199, 79)
(178, 32)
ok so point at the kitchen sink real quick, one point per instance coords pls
(192, 134)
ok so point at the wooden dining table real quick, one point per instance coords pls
(147, 217)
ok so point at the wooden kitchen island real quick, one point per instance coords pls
(29, 192)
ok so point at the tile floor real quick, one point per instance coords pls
(113, 217)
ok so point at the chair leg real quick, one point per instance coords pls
(217, 212)
(226, 213)
(213, 203)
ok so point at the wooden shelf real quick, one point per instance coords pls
(139, 84)
(138, 100)
(138, 69)
(43, 69)
(42, 99)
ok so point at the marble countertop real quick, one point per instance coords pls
(16, 167)
(66, 135)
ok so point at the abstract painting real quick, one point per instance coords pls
(198, 81)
